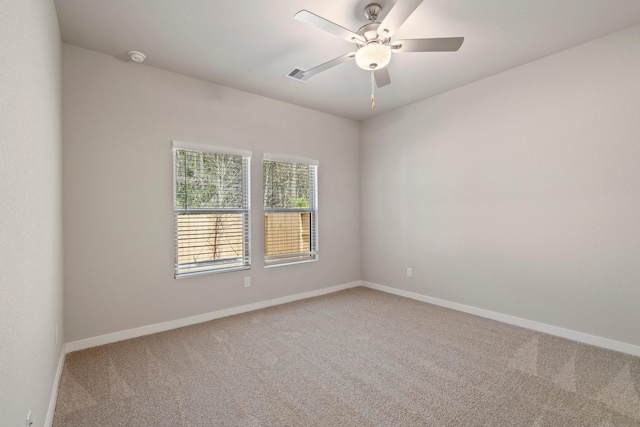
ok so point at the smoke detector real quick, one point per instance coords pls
(137, 56)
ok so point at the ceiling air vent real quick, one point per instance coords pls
(297, 74)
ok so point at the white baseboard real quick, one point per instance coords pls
(179, 323)
(512, 320)
(54, 391)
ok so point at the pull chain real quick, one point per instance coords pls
(373, 84)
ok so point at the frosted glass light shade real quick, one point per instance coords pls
(373, 56)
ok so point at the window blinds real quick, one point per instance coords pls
(290, 206)
(211, 210)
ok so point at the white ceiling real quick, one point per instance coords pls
(250, 44)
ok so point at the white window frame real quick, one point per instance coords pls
(245, 210)
(303, 257)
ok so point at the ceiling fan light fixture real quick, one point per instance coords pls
(373, 56)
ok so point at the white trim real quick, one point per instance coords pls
(512, 320)
(282, 263)
(56, 384)
(290, 159)
(194, 146)
(179, 323)
(216, 271)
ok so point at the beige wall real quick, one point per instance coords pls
(518, 194)
(31, 293)
(119, 119)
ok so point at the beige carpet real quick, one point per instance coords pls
(353, 358)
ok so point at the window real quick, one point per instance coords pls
(211, 209)
(290, 209)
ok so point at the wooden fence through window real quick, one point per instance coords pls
(203, 237)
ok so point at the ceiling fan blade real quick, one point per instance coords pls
(447, 44)
(396, 17)
(382, 77)
(328, 26)
(306, 75)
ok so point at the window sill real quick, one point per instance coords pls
(282, 264)
(204, 273)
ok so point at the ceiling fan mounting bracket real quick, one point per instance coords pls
(372, 11)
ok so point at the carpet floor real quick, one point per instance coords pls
(353, 358)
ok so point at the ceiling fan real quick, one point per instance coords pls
(374, 42)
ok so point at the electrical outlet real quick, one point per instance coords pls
(409, 272)
(28, 422)
(247, 282)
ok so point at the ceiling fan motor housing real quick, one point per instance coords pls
(369, 32)
(374, 53)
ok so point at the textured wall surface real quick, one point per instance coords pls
(517, 193)
(31, 286)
